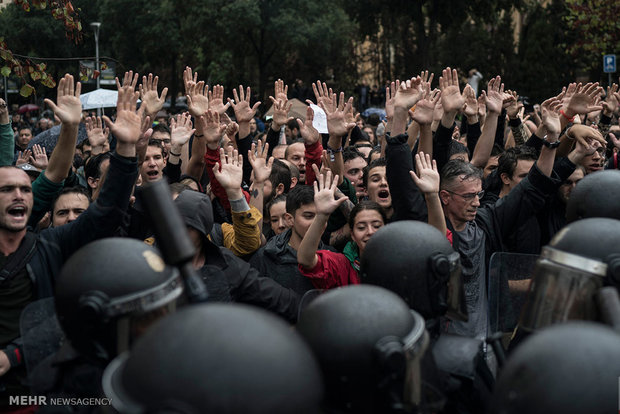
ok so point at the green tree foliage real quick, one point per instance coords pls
(420, 34)
(543, 66)
(597, 26)
(231, 42)
(44, 29)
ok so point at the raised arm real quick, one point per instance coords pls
(262, 169)
(494, 100)
(181, 130)
(244, 112)
(245, 238)
(337, 127)
(423, 116)
(551, 120)
(427, 181)
(127, 127)
(68, 109)
(325, 203)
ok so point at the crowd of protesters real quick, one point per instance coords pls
(282, 206)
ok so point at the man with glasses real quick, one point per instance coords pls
(479, 231)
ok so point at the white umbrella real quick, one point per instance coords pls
(100, 98)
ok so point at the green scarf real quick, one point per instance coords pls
(352, 252)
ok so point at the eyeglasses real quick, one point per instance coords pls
(165, 141)
(469, 196)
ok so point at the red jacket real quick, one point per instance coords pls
(332, 270)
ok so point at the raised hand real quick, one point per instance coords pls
(148, 94)
(514, 106)
(494, 97)
(4, 113)
(189, 79)
(482, 107)
(39, 157)
(307, 131)
(258, 159)
(216, 100)
(471, 103)
(128, 125)
(584, 99)
(427, 179)
(586, 137)
(324, 194)
(280, 112)
(145, 134)
(197, 98)
(322, 94)
(181, 130)
(229, 171)
(409, 93)
(231, 129)
(424, 109)
(390, 94)
(23, 157)
(427, 78)
(551, 116)
(68, 107)
(451, 98)
(280, 90)
(130, 80)
(211, 128)
(241, 105)
(96, 133)
(335, 113)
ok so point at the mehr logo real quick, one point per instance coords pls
(41, 400)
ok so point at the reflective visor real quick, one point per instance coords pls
(415, 345)
(563, 288)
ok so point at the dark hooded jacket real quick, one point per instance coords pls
(278, 261)
(227, 277)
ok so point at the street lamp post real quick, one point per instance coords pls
(96, 26)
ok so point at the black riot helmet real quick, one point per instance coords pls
(571, 368)
(216, 358)
(369, 345)
(109, 291)
(581, 259)
(596, 195)
(417, 262)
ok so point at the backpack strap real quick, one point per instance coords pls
(20, 258)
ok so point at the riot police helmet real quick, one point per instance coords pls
(109, 291)
(369, 345)
(417, 262)
(216, 358)
(595, 195)
(571, 368)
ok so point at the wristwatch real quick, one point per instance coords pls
(551, 145)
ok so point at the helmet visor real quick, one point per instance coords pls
(415, 345)
(563, 288)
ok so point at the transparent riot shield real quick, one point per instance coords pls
(509, 281)
(40, 331)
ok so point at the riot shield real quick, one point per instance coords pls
(509, 281)
(40, 331)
